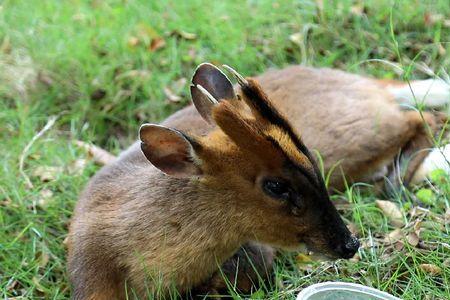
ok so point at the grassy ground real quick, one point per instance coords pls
(104, 67)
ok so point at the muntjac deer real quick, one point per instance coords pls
(233, 173)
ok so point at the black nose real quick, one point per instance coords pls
(348, 249)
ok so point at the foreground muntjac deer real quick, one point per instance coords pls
(227, 179)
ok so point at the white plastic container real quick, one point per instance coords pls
(343, 291)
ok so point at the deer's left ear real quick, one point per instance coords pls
(209, 86)
(169, 150)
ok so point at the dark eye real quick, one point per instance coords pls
(277, 189)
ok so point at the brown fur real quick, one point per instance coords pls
(133, 222)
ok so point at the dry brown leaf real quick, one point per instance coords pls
(431, 19)
(319, 4)
(47, 173)
(357, 9)
(100, 156)
(412, 239)
(179, 84)
(353, 229)
(394, 236)
(79, 17)
(391, 211)
(45, 196)
(355, 258)
(399, 245)
(431, 269)
(66, 242)
(37, 284)
(304, 262)
(43, 259)
(302, 258)
(446, 263)
(184, 34)
(133, 41)
(11, 286)
(441, 50)
(45, 78)
(296, 38)
(156, 44)
(171, 96)
(77, 166)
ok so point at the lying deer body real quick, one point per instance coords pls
(232, 172)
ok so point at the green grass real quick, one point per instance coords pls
(77, 60)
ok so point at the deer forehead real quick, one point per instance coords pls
(222, 150)
(288, 146)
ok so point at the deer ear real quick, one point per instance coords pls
(169, 150)
(209, 86)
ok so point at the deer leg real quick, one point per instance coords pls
(437, 158)
(245, 271)
(415, 161)
(433, 93)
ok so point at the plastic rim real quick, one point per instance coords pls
(343, 286)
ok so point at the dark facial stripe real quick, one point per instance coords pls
(310, 177)
(270, 113)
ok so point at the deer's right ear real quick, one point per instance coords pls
(209, 86)
(169, 150)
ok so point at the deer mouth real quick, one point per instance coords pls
(322, 251)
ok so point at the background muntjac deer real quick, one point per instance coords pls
(234, 171)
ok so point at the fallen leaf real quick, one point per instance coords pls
(355, 258)
(45, 196)
(296, 38)
(11, 286)
(319, 4)
(77, 166)
(304, 262)
(441, 50)
(47, 173)
(302, 258)
(37, 284)
(391, 211)
(45, 78)
(66, 242)
(353, 229)
(79, 17)
(43, 259)
(394, 236)
(412, 239)
(156, 44)
(357, 10)
(431, 269)
(179, 84)
(446, 263)
(418, 212)
(100, 156)
(133, 41)
(171, 95)
(431, 19)
(133, 74)
(183, 34)
(399, 245)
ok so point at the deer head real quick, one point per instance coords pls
(256, 158)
